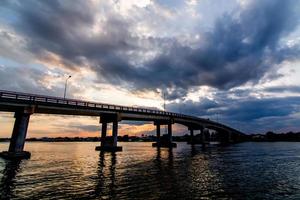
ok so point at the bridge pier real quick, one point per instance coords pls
(230, 137)
(158, 134)
(199, 138)
(103, 133)
(191, 136)
(235, 138)
(112, 145)
(203, 137)
(17, 141)
(225, 137)
(165, 141)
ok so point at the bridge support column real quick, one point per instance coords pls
(236, 137)
(203, 138)
(157, 143)
(115, 133)
(198, 138)
(170, 133)
(164, 141)
(225, 137)
(103, 133)
(157, 133)
(109, 145)
(17, 141)
(170, 142)
(191, 137)
(230, 137)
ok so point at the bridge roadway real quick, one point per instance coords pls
(24, 105)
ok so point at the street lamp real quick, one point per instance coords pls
(164, 101)
(66, 86)
(164, 95)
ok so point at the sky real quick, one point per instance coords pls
(233, 61)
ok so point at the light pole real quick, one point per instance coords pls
(164, 95)
(164, 101)
(66, 86)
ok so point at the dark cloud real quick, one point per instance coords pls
(33, 80)
(199, 108)
(254, 109)
(249, 114)
(22, 79)
(241, 47)
(280, 89)
(176, 93)
(264, 114)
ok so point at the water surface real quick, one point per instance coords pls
(74, 170)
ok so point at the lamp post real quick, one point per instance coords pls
(164, 102)
(66, 86)
(164, 95)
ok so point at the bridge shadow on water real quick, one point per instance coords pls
(165, 176)
(136, 181)
(105, 184)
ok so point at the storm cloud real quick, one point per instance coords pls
(252, 115)
(241, 47)
(140, 50)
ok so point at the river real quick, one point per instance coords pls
(74, 170)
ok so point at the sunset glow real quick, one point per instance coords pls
(214, 65)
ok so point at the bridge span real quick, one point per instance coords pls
(24, 105)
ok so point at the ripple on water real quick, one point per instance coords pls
(76, 170)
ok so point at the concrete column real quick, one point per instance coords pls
(17, 141)
(229, 137)
(207, 135)
(225, 137)
(237, 137)
(203, 137)
(115, 133)
(158, 133)
(19, 132)
(164, 141)
(192, 136)
(110, 146)
(103, 133)
(170, 133)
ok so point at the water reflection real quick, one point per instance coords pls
(7, 183)
(106, 173)
(167, 154)
(163, 171)
(143, 172)
(193, 150)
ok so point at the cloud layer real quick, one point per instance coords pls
(153, 46)
(241, 46)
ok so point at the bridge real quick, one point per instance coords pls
(24, 105)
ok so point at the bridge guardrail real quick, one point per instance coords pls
(50, 99)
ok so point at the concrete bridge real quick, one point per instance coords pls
(24, 105)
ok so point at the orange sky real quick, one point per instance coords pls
(76, 126)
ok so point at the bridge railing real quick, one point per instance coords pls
(72, 102)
